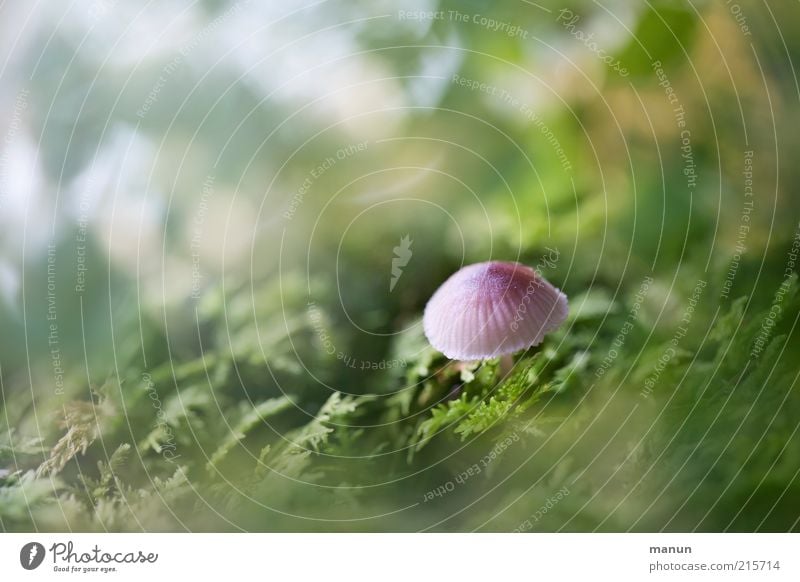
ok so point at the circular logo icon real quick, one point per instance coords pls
(31, 555)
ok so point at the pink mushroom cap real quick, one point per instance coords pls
(492, 309)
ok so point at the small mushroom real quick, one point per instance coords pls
(492, 309)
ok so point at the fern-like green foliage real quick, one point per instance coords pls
(289, 452)
(82, 421)
(486, 401)
(251, 418)
(24, 494)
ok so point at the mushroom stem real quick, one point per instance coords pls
(506, 365)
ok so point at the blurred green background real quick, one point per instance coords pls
(201, 203)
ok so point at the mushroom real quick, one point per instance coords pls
(492, 309)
